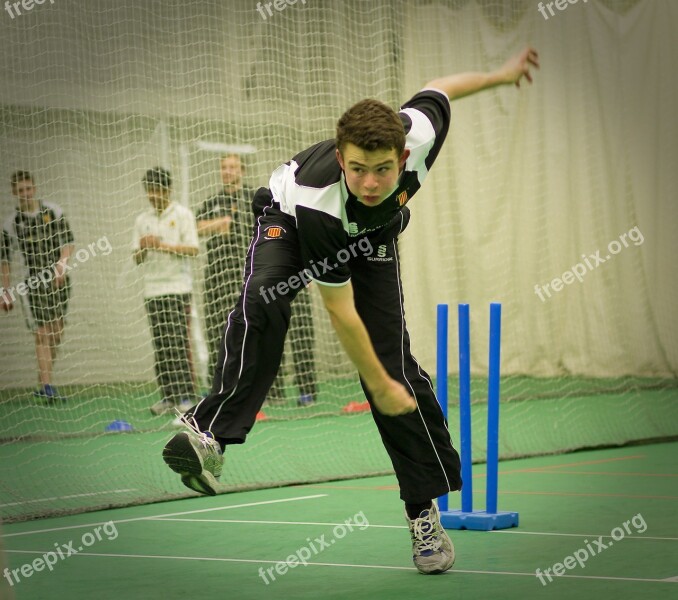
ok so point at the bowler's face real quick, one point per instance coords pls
(371, 175)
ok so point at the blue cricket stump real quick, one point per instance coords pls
(467, 518)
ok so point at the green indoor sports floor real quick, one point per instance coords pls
(614, 508)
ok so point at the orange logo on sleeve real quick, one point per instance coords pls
(402, 198)
(273, 232)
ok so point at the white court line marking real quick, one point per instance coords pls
(319, 564)
(153, 517)
(256, 522)
(160, 520)
(671, 579)
(67, 497)
(640, 536)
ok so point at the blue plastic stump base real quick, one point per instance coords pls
(478, 520)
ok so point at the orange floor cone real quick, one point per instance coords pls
(356, 407)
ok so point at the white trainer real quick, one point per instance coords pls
(432, 548)
(196, 456)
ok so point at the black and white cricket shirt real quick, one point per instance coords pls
(311, 187)
(38, 237)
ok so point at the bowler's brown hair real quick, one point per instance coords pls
(371, 125)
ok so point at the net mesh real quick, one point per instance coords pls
(527, 185)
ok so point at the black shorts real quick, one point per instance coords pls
(45, 304)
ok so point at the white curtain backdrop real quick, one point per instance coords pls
(531, 180)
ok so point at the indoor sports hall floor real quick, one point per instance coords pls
(218, 547)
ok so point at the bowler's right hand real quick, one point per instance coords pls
(393, 399)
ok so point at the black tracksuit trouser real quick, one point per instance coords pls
(419, 445)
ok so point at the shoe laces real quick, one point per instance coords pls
(206, 438)
(425, 534)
